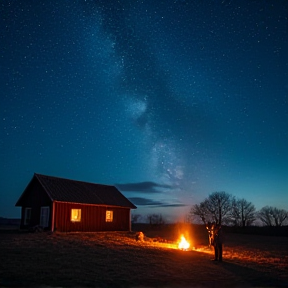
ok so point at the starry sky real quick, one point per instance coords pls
(168, 100)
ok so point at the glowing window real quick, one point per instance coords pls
(76, 215)
(109, 216)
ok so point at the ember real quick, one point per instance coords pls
(183, 244)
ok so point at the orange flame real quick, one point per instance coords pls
(183, 244)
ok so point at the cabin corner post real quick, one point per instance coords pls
(53, 217)
(130, 229)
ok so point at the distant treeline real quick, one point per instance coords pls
(10, 221)
(257, 230)
(200, 229)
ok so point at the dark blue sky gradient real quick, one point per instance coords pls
(168, 100)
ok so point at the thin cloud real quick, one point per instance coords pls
(147, 187)
(145, 201)
(141, 201)
(172, 205)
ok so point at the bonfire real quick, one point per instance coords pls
(183, 244)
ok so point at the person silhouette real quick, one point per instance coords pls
(218, 242)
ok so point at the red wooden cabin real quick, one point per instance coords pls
(59, 204)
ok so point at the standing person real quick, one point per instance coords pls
(218, 242)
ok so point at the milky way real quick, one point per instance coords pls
(169, 101)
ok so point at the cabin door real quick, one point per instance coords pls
(44, 216)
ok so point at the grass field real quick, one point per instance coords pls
(116, 259)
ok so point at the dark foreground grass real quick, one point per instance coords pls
(115, 259)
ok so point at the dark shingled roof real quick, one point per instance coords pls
(65, 190)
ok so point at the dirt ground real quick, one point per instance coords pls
(116, 259)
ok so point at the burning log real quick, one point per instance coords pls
(139, 236)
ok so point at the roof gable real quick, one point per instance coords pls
(66, 190)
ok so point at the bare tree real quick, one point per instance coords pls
(279, 215)
(135, 218)
(155, 219)
(265, 215)
(272, 216)
(216, 208)
(242, 212)
(219, 205)
(201, 211)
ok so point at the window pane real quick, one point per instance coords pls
(76, 215)
(27, 216)
(44, 217)
(109, 216)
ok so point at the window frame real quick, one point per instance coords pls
(73, 219)
(46, 224)
(27, 215)
(109, 216)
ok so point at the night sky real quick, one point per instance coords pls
(168, 100)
